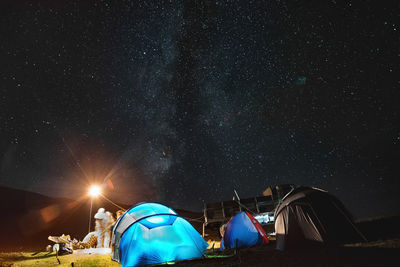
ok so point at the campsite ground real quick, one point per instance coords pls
(382, 253)
(44, 259)
(377, 253)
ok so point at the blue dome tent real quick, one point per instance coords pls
(151, 233)
(243, 231)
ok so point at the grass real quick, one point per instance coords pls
(15, 259)
(377, 253)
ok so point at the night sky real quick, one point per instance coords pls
(181, 102)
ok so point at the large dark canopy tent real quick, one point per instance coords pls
(312, 216)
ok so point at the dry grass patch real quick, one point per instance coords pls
(16, 259)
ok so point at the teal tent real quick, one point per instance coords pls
(151, 233)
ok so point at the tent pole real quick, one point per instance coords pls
(244, 207)
(90, 213)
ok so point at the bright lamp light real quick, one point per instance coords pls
(94, 191)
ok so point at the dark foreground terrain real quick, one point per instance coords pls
(384, 253)
(379, 253)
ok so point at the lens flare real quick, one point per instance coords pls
(94, 191)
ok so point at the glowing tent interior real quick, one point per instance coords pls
(151, 233)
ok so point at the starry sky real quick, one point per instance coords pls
(182, 102)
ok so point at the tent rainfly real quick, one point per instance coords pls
(312, 216)
(243, 231)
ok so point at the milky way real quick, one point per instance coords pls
(184, 101)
